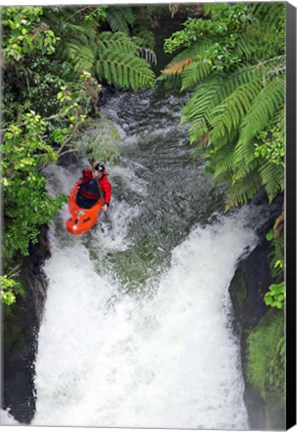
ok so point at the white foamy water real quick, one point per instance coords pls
(168, 361)
(6, 419)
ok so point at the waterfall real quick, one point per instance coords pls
(159, 358)
(137, 327)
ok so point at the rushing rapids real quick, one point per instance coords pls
(137, 325)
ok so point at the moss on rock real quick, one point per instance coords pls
(261, 332)
(265, 367)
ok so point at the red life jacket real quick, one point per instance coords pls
(104, 186)
(89, 186)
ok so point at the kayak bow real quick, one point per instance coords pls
(81, 220)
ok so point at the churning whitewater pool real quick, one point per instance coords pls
(137, 322)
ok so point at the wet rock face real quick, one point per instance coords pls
(247, 289)
(34, 277)
(20, 331)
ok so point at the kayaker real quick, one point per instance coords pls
(100, 173)
(92, 182)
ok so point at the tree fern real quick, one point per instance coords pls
(202, 100)
(272, 176)
(243, 190)
(178, 64)
(170, 81)
(125, 70)
(148, 55)
(198, 129)
(178, 67)
(236, 75)
(112, 57)
(120, 18)
(212, 92)
(267, 14)
(224, 160)
(265, 105)
(116, 41)
(81, 56)
(228, 115)
(247, 45)
(195, 73)
(143, 37)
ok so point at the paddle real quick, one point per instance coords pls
(108, 214)
(109, 218)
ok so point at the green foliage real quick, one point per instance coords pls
(275, 297)
(96, 14)
(121, 18)
(27, 204)
(237, 78)
(101, 142)
(26, 150)
(112, 57)
(28, 137)
(226, 25)
(270, 143)
(9, 289)
(266, 357)
(135, 22)
(276, 237)
(33, 86)
(144, 38)
(46, 102)
(24, 33)
(233, 61)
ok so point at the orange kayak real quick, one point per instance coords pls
(81, 220)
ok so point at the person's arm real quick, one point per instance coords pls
(107, 195)
(107, 190)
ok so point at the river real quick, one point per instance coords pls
(137, 328)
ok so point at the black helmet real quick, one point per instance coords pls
(99, 167)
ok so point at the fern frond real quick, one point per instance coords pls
(224, 160)
(124, 70)
(82, 56)
(245, 168)
(201, 99)
(263, 109)
(227, 116)
(269, 13)
(76, 30)
(213, 92)
(273, 178)
(144, 37)
(108, 36)
(195, 73)
(170, 81)
(115, 58)
(196, 110)
(178, 67)
(249, 73)
(242, 191)
(116, 41)
(197, 129)
(280, 122)
(188, 53)
(120, 18)
(148, 55)
(246, 45)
